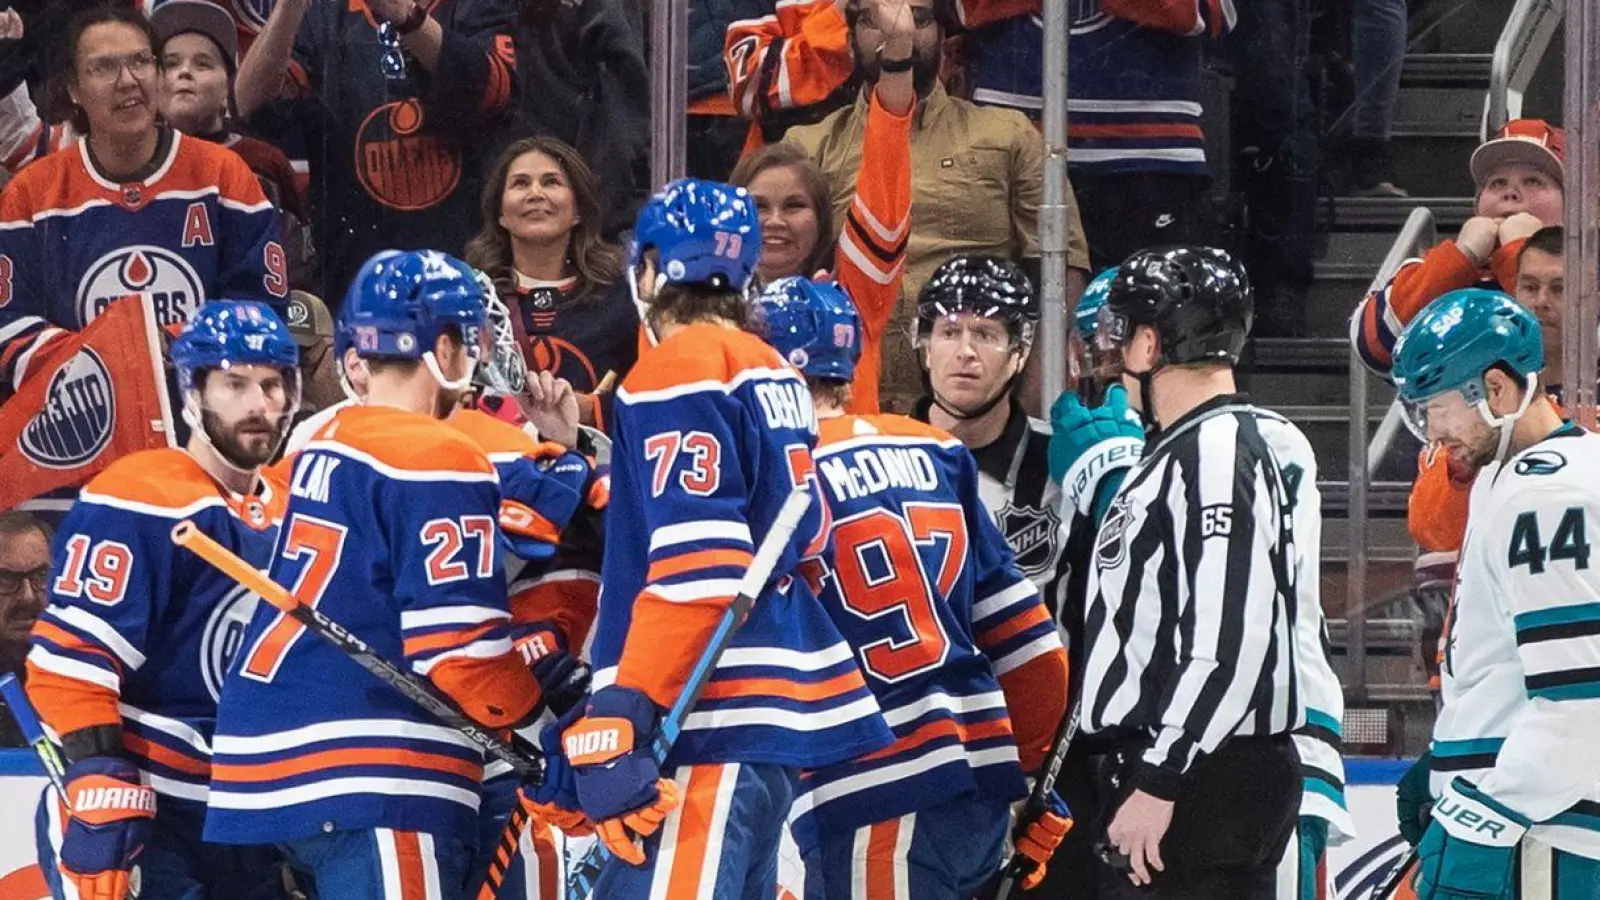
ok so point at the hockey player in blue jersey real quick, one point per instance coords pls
(393, 529)
(712, 432)
(127, 660)
(955, 641)
(1516, 747)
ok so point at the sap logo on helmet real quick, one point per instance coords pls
(1540, 462)
(161, 277)
(78, 418)
(1450, 319)
(224, 632)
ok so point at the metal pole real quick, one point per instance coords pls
(1582, 118)
(1053, 209)
(1355, 519)
(669, 100)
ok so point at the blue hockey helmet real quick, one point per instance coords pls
(400, 302)
(703, 232)
(1454, 341)
(1087, 316)
(814, 325)
(228, 333)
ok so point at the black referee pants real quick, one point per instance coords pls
(1230, 824)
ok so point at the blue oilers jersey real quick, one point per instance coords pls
(72, 240)
(139, 632)
(390, 531)
(712, 432)
(929, 596)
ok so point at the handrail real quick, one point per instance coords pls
(1419, 233)
(1522, 44)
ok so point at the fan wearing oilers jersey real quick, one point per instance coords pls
(712, 433)
(392, 530)
(128, 658)
(955, 642)
(1516, 746)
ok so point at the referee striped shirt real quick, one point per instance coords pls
(1190, 621)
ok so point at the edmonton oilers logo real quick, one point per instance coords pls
(400, 166)
(162, 277)
(79, 414)
(223, 634)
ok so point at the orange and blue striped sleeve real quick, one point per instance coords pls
(1383, 314)
(794, 57)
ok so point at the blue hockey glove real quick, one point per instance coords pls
(619, 783)
(556, 798)
(1469, 850)
(1088, 444)
(563, 680)
(1037, 838)
(111, 820)
(1413, 800)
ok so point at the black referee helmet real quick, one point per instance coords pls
(1198, 300)
(990, 287)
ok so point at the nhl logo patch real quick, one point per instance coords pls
(1034, 535)
(78, 418)
(1111, 547)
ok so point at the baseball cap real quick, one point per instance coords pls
(1533, 142)
(308, 319)
(176, 17)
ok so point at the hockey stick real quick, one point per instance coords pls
(49, 757)
(527, 765)
(581, 881)
(1038, 802)
(32, 732)
(1392, 888)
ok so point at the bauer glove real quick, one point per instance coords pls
(110, 823)
(619, 782)
(1086, 445)
(1470, 849)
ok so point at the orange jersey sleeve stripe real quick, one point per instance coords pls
(435, 641)
(699, 559)
(496, 692)
(1036, 696)
(522, 519)
(883, 860)
(166, 756)
(942, 728)
(836, 686)
(68, 705)
(357, 756)
(1014, 626)
(54, 633)
(663, 643)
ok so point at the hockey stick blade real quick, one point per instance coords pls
(1038, 802)
(528, 766)
(581, 881)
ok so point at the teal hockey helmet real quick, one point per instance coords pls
(1454, 341)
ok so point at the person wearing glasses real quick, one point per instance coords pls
(24, 565)
(135, 209)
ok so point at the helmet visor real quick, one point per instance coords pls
(1442, 417)
(1113, 330)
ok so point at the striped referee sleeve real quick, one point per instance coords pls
(1227, 519)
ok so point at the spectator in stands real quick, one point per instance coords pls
(311, 326)
(1136, 146)
(24, 567)
(1519, 181)
(542, 247)
(581, 69)
(716, 133)
(195, 48)
(809, 77)
(796, 212)
(136, 208)
(1541, 287)
(868, 258)
(1378, 51)
(400, 101)
(977, 175)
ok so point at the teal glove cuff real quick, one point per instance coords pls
(1086, 444)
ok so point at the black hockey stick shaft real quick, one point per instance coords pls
(530, 767)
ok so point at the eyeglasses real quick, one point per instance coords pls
(140, 65)
(393, 61)
(921, 16)
(11, 581)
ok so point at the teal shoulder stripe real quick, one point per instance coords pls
(1575, 820)
(1467, 748)
(1587, 690)
(1322, 720)
(1560, 615)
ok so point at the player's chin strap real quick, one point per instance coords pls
(641, 306)
(461, 384)
(191, 415)
(1507, 423)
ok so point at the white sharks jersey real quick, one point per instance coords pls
(1521, 672)
(1319, 741)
